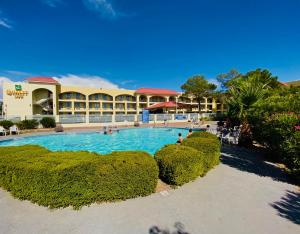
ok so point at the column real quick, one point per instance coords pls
(87, 110)
(205, 104)
(137, 103)
(148, 100)
(114, 109)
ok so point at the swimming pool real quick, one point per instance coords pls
(146, 139)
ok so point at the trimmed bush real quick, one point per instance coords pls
(48, 122)
(203, 135)
(290, 151)
(6, 124)
(62, 179)
(209, 147)
(28, 124)
(179, 164)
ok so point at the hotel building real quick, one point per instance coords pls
(38, 96)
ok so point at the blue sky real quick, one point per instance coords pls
(147, 43)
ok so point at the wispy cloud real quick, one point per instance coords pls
(18, 73)
(104, 7)
(125, 82)
(52, 3)
(3, 79)
(15, 75)
(86, 80)
(4, 22)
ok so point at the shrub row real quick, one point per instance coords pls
(203, 135)
(179, 164)
(47, 122)
(62, 179)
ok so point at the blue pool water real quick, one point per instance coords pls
(146, 139)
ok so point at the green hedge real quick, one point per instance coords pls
(6, 124)
(179, 164)
(62, 179)
(203, 135)
(208, 146)
(28, 124)
(48, 122)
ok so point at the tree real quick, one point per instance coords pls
(225, 78)
(244, 93)
(198, 87)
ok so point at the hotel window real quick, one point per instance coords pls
(78, 96)
(68, 96)
(77, 105)
(97, 105)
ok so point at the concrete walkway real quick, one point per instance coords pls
(241, 195)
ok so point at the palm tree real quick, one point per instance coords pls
(244, 93)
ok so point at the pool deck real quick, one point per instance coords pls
(42, 132)
(244, 194)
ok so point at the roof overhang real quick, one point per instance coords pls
(154, 91)
(169, 105)
(42, 80)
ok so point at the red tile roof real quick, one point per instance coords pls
(163, 105)
(41, 79)
(156, 91)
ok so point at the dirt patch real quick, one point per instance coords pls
(161, 186)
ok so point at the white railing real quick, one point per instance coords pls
(110, 118)
(72, 119)
(100, 118)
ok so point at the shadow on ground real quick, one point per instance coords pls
(252, 161)
(289, 206)
(179, 229)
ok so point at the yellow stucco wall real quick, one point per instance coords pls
(24, 106)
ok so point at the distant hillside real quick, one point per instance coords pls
(294, 83)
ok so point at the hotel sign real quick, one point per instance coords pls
(18, 93)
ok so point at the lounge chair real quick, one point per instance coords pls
(3, 131)
(14, 129)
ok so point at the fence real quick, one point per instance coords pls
(11, 118)
(72, 119)
(97, 118)
(100, 118)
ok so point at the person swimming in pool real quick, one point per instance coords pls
(180, 139)
(189, 133)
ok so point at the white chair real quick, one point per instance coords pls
(3, 131)
(227, 138)
(212, 131)
(14, 129)
(236, 136)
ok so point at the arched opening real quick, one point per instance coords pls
(143, 98)
(125, 97)
(209, 100)
(184, 100)
(100, 97)
(172, 99)
(72, 95)
(157, 99)
(42, 102)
